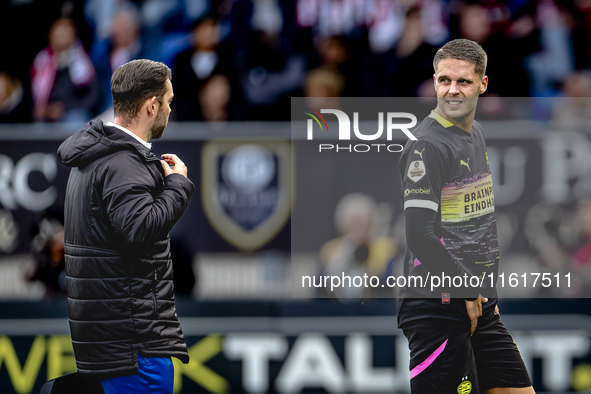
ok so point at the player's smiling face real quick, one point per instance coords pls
(458, 87)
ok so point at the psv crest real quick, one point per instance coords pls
(246, 190)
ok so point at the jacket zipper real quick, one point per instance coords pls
(154, 293)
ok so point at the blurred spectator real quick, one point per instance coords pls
(63, 80)
(572, 111)
(214, 99)
(359, 250)
(507, 46)
(269, 79)
(322, 87)
(122, 45)
(196, 68)
(411, 60)
(267, 16)
(14, 101)
(334, 52)
(99, 15)
(474, 23)
(268, 68)
(163, 19)
(48, 251)
(555, 60)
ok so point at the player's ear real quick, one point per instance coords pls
(152, 106)
(484, 84)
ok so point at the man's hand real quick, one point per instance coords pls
(173, 165)
(474, 309)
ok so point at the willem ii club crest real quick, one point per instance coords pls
(246, 190)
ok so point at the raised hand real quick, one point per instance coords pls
(173, 165)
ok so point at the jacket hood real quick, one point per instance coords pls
(95, 141)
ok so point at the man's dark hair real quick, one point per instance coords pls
(135, 82)
(463, 49)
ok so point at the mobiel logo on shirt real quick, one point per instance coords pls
(345, 130)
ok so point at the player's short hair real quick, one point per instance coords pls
(135, 82)
(463, 49)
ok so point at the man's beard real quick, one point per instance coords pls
(159, 125)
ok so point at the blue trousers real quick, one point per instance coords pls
(155, 375)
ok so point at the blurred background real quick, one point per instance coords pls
(267, 207)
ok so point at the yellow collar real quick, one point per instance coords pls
(442, 121)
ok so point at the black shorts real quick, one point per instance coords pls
(445, 359)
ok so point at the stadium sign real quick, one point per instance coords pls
(345, 130)
(246, 190)
(259, 362)
(15, 189)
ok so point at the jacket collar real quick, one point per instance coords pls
(117, 139)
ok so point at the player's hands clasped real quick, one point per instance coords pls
(474, 309)
(173, 165)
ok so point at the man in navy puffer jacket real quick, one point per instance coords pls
(121, 203)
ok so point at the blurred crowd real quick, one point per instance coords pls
(244, 59)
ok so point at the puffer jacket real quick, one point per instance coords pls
(119, 209)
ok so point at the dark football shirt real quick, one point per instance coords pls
(446, 170)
